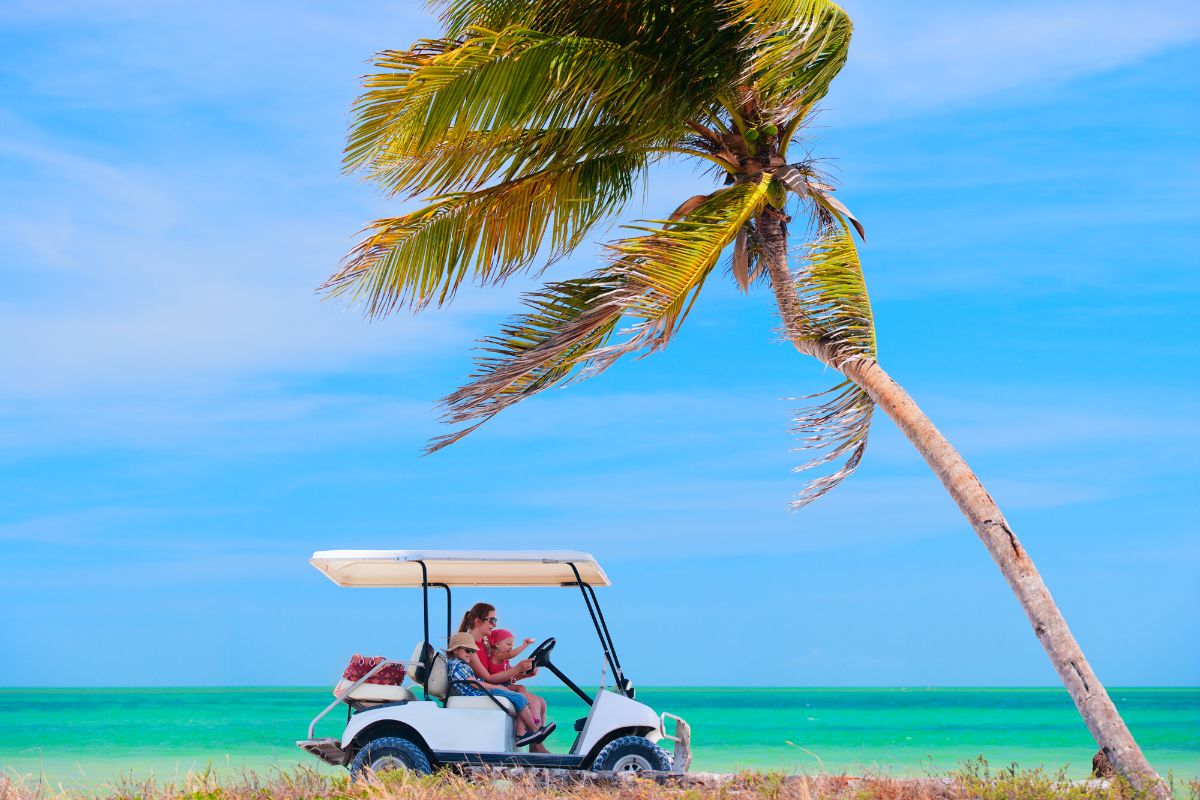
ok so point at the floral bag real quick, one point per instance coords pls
(391, 675)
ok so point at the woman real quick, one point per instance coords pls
(480, 621)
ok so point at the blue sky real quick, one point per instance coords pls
(182, 421)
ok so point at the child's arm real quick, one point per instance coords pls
(513, 652)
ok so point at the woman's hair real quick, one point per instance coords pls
(477, 612)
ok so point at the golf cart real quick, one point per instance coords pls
(424, 726)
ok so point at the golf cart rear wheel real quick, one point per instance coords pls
(632, 754)
(388, 753)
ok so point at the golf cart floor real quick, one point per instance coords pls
(327, 749)
(543, 760)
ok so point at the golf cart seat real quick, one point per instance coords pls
(485, 703)
(439, 687)
(373, 692)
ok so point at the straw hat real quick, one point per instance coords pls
(461, 640)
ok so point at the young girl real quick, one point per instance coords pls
(500, 648)
(463, 682)
(499, 644)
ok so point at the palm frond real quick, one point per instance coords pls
(467, 162)
(833, 295)
(569, 326)
(837, 314)
(796, 49)
(668, 265)
(805, 183)
(460, 15)
(838, 428)
(515, 79)
(489, 234)
(566, 323)
(695, 53)
(740, 265)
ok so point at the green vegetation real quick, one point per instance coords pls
(975, 781)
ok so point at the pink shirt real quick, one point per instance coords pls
(486, 660)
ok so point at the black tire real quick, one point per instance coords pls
(632, 754)
(389, 752)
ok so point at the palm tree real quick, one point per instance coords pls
(528, 123)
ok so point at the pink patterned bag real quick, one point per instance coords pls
(391, 675)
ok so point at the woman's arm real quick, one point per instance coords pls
(479, 679)
(503, 676)
(480, 670)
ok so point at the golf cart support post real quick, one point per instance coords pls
(446, 569)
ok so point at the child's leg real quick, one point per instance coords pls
(524, 722)
(536, 704)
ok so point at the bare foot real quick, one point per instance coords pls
(538, 748)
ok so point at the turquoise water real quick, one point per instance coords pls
(89, 737)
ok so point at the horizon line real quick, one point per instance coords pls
(917, 687)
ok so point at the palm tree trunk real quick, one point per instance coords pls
(1093, 702)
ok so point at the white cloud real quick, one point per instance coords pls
(910, 58)
(127, 279)
(178, 54)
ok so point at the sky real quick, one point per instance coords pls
(183, 420)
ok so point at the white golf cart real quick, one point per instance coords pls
(390, 727)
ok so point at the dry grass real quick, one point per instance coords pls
(975, 780)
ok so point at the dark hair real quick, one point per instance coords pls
(478, 612)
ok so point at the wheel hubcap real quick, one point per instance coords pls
(632, 763)
(387, 762)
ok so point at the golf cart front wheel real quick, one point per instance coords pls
(389, 753)
(632, 754)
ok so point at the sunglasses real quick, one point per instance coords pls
(492, 620)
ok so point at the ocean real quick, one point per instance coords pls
(86, 738)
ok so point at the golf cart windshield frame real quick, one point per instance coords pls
(623, 685)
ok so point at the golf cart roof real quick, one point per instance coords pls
(375, 568)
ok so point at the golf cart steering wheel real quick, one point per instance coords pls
(541, 654)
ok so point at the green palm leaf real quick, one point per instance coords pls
(695, 51)
(514, 79)
(489, 234)
(836, 316)
(671, 263)
(796, 48)
(652, 280)
(468, 161)
(566, 324)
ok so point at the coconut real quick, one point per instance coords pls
(777, 193)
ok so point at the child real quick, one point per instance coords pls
(500, 649)
(463, 682)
